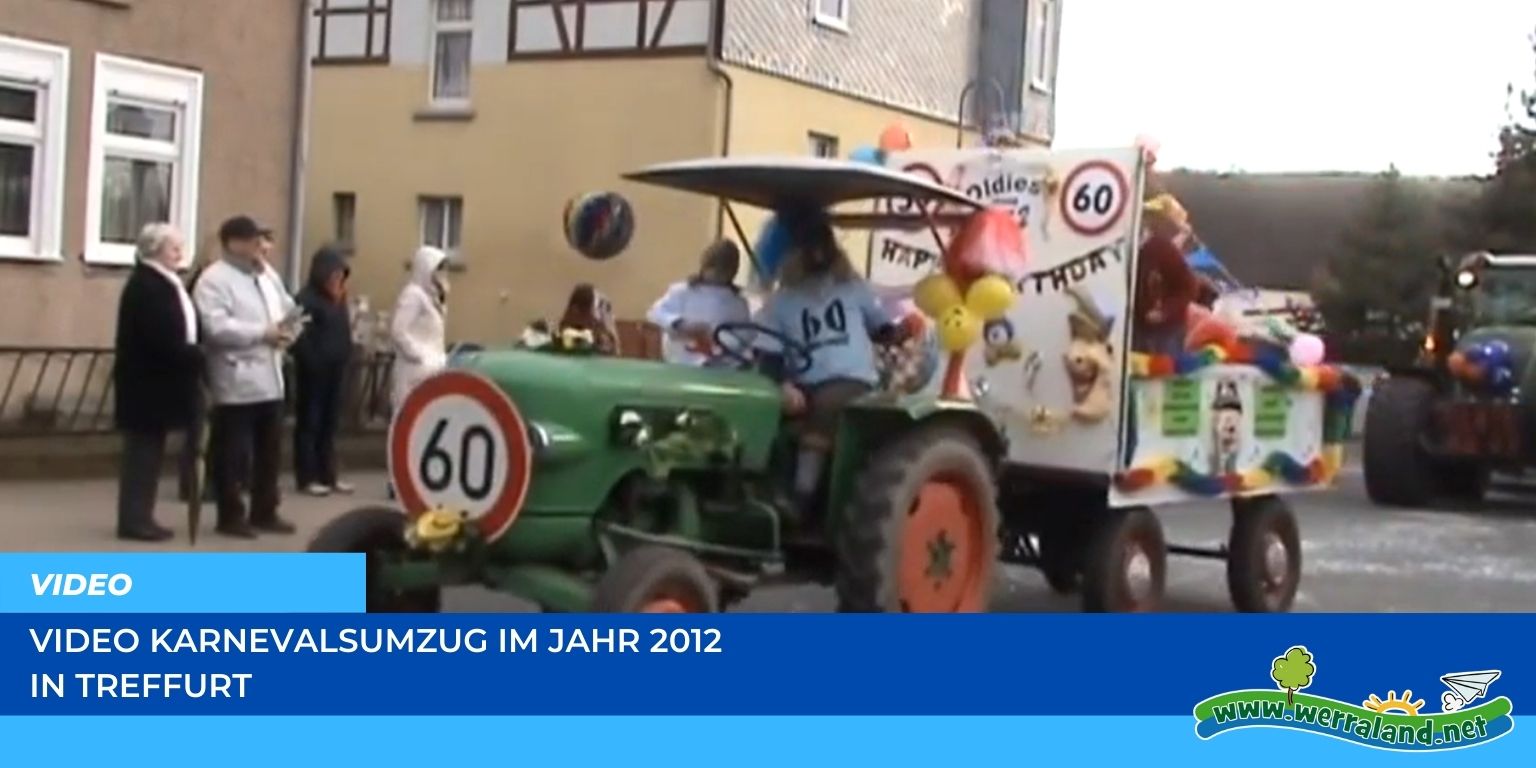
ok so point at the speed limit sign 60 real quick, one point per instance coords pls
(1094, 197)
(459, 442)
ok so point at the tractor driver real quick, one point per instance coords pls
(832, 313)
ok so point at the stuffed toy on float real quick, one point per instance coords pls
(976, 287)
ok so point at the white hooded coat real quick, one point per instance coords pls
(417, 328)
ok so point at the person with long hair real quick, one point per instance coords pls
(691, 309)
(831, 313)
(590, 311)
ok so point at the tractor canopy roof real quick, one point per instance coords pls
(1499, 261)
(781, 182)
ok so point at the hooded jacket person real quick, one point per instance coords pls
(320, 366)
(690, 310)
(417, 329)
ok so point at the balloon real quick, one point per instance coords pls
(770, 250)
(870, 155)
(1502, 379)
(990, 243)
(1307, 350)
(1457, 364)
(936, 293)
(599, 225)
(1475, 353)
(1207, 328)
(990, 297)
(1496, 353)
(958, 328)
(895, 138)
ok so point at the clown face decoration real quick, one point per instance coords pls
(1226, 428)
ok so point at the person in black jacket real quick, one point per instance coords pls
(155, 376)
(320, 371)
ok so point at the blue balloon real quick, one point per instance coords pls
(1475, 353)
(771, 247)
(870, 155)
(1502, 379)
(1496, 352)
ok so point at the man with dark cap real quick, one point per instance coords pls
(248, 321)
(690, 310)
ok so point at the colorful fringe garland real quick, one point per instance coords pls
(1340, 390)
(1281, 466)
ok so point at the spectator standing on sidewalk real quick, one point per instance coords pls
(417, 328)
(320, 358)
(248, 320)
(155, 375)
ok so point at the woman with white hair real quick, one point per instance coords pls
(155, 375)
(417, 327)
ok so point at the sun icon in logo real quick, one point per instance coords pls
(1404, 705)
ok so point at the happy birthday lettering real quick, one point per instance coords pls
(1070, 273)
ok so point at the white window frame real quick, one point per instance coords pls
(449, 203)
(436, 29)
(837, 21)
(134, 80)
(46, 68)
(817, 141)
(1044, 24)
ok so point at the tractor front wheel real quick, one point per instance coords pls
(921, 535)
(656, 579)
(1398, 472)
(1126, 567)
(378, 533)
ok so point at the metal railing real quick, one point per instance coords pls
(68, 391)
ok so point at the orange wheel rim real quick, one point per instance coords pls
(942, 550)
(665, 604)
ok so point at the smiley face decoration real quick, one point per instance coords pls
(976, 287)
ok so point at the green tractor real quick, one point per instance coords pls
(591, 483)
(1439, 429)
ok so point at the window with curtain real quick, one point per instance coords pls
(452, 35)
(442, 223)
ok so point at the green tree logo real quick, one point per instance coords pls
(1293, 671)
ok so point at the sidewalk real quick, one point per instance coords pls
(80, 516)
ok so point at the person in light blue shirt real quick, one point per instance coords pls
(827, 309)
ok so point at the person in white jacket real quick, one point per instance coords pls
(690, 310)
(247, 321)
(417, 328)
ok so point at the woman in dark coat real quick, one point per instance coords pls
(320, 370)
(155, 376)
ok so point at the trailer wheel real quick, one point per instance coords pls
(1397, 418)
(1126, 565)
(1263, 555)
(656, 579)
(921, 535)
(376, 532)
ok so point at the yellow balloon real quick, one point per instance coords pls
(958, 328)
(990, 297)
(935, 294)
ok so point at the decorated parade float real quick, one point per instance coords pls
(1018, 419)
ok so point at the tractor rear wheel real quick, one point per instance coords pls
(656, 579)
(377, 532)
(1126, 567)
(921, 535)
(1263, 555)
(1398, 472)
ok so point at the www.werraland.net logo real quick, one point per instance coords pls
(1395, 722)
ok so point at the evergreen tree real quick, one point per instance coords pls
(1502, 218)
(1375, 289)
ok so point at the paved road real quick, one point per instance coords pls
(1356, 557)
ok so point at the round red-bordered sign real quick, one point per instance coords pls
(1094, 197)
(459, 442)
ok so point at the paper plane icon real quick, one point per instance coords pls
(1466, 687)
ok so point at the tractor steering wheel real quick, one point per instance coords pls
(734, 339)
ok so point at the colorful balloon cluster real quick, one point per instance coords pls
(1488, 366)
(976, 286)
(895, 138)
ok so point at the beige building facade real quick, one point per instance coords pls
(469, 124)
